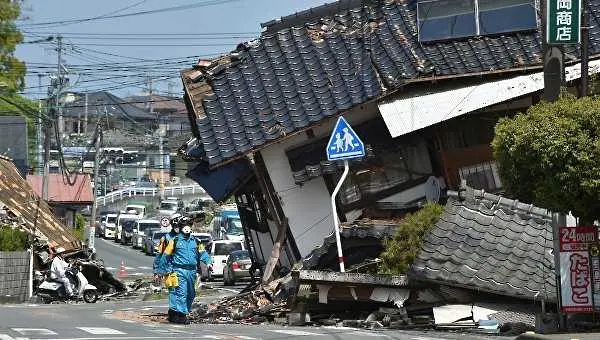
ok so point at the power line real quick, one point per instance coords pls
(161, 10)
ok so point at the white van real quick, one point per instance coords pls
(140, 209)
(139, 231)
(110, 226)
(219, 251)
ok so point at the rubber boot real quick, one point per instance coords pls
(172, 316)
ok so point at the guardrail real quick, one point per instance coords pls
(125, 193)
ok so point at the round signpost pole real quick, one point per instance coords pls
(336, 221)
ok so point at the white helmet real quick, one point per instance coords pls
(186, 230)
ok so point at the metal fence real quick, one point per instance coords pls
(14, 276)
(126, 193)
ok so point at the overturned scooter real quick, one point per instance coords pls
(51, 290)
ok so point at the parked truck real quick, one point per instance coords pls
(226, 225)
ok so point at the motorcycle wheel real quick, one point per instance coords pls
(90, 296)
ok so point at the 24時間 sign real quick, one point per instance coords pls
(563, 22)
(575, 268)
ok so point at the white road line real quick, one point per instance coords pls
(110, 268)
(100, 330)
(6, 337)
(169, 331)
(144, 268)
(363, 333)
(293, 332)
(425, 338)
(128, 321)
(33, 331)
(129, 268)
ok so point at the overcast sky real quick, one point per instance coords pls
(175, 35)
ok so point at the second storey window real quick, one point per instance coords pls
(440, 20)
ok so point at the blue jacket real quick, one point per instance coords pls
(184, 253)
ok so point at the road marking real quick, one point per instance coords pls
(129, 268)
(144, 267)
(363, 333)
(100, 330)
(293, 332)
(169, 331)
(424, 338)
(110, 268)
(34, 331)
(6, 337)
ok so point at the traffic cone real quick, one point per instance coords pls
(122, 272)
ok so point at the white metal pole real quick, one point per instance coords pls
(336, 221)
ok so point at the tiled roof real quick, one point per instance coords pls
(116, 108)
(316, 64)
(361, 241)
(492, 244)
(35, 214)
(59, 191)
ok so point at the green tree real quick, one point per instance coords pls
(549, 155)
(12, 71)
(401, 250)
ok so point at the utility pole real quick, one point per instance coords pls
(85, 119)
(98, 144)
(59, 88)
(47, 129)
(38, 133)
(585, 47)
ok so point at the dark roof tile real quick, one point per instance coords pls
(486, 245)
(337, 56)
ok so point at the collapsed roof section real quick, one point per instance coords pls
(307, 67)
(29, 212)
(492, 244)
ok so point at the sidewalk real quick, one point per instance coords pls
(565, 336)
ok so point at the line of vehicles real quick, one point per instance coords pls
(138, 227)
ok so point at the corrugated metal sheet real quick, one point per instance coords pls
(20, 199)
(407, 114)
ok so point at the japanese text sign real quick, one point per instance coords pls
(563, 21)
(576, 266)
(576, 238)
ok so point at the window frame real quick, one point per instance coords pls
(477, 21)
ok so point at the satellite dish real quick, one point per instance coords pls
(432, 189)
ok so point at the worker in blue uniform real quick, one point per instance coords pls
(183, 254)
(159, 261)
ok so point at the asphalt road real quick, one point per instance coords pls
(113, 254)
(101, 321)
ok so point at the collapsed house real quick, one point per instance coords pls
(425, 106)
(23, 209)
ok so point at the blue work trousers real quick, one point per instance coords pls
(182, 296)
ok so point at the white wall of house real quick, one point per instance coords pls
(307, 207)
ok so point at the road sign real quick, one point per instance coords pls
(563, 22)
(164, 222)
(344, 143)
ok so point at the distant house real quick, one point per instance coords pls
(65, 199)
(13, 141)
(171, 109)
(81, 112)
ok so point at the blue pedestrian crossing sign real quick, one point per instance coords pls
(344, 142)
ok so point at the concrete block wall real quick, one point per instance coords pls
(14, 276)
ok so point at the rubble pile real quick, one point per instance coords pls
(252, 307)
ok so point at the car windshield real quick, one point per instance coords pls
(128, 225)
(234, 227)
(144, 226)
(138, 210)
(157, 236)
(111, 219)
(168, 206)
(227, 248)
